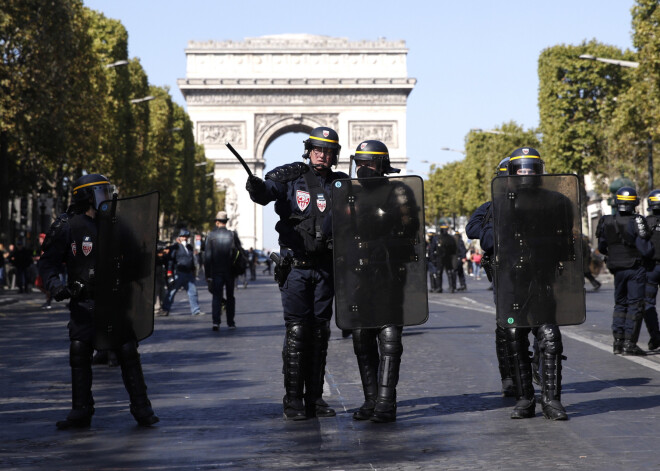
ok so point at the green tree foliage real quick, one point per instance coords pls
(577, 100)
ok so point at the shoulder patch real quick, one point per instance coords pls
(288, 172)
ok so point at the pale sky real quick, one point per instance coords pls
(475, 61)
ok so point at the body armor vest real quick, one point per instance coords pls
(621, 253)
(654, 225)
(81, 259)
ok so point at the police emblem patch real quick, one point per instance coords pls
(525, 151)
(326, 133)
(302, 198)
(73, 248)
(87, 245)
(320, 202)
(363, 145)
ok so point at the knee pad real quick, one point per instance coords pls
(295, 335)
(364, 341)
(322, 332)
(128, 352)
(80, 354)
(390, 341)
(549, 338)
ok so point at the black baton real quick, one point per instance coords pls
(240, 159)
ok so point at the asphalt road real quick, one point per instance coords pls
(218, 395)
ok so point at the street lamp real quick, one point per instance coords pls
(453, 150)
(140, 100)
(633, 65)
(618, 62)
(115, 64)
(489, 131)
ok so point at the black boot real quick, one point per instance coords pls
(551, 388)
(617, 346)
(504, 361)
(365, 346)
(131, 373)
(630, 348)
(519, 345)
(315, 406)
(390, 360)
(294, 371)
(80, 360)
(654, 342)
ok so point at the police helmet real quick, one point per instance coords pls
(376, 152)
(91, 190)
(503, 167)
(626, 199)
(325, 138)
(526, 161)
(184, 233)
(654, 200)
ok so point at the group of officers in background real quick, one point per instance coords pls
(361, 243)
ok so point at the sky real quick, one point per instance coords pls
(475, 61)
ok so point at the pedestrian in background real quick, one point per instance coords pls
(181, 274)
(252, 263)
(222, 245)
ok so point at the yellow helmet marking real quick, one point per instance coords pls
(90, 184)
(321, 139)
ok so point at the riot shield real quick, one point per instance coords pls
(378, 249)
(538, 272)
(125, 270)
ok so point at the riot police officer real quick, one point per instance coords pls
(73, 240)
(444, 250)
(624, 238)
(301, 193)
(653, 271)
(480, 226)
(378, 273)
(526, 161)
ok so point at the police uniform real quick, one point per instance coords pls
(622, 237)
(652, 281)
(302, 202)
(73, 240)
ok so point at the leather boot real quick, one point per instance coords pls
(82, 402)
(632, 349)
(315, 406)
(504, 359)
(131, 373)
(617, 346)
(390, 360)
(551, 387)
(519, 345)
(294, 371)
(365, 346)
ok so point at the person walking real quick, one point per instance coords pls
(301, 193)
(181, 274)
(221, 247)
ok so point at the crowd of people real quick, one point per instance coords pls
(391, 247)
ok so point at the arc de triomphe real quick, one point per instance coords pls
(251, 92)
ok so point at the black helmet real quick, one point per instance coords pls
(654, 200)
(526, 161)
(184, 233)
(91, 190)
(502, 167)
(626, 199)
(325, 138)
(375, 151)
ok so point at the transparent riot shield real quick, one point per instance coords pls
(538, 272)
(378, 246)
(124, 278)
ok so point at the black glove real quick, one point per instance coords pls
(170, 280)
(61, 293)
(255, 184)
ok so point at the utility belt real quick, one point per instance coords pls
(310, 261)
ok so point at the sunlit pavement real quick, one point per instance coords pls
(218, 395)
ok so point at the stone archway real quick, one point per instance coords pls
(250, 93)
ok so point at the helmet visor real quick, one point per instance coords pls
(102, 192)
